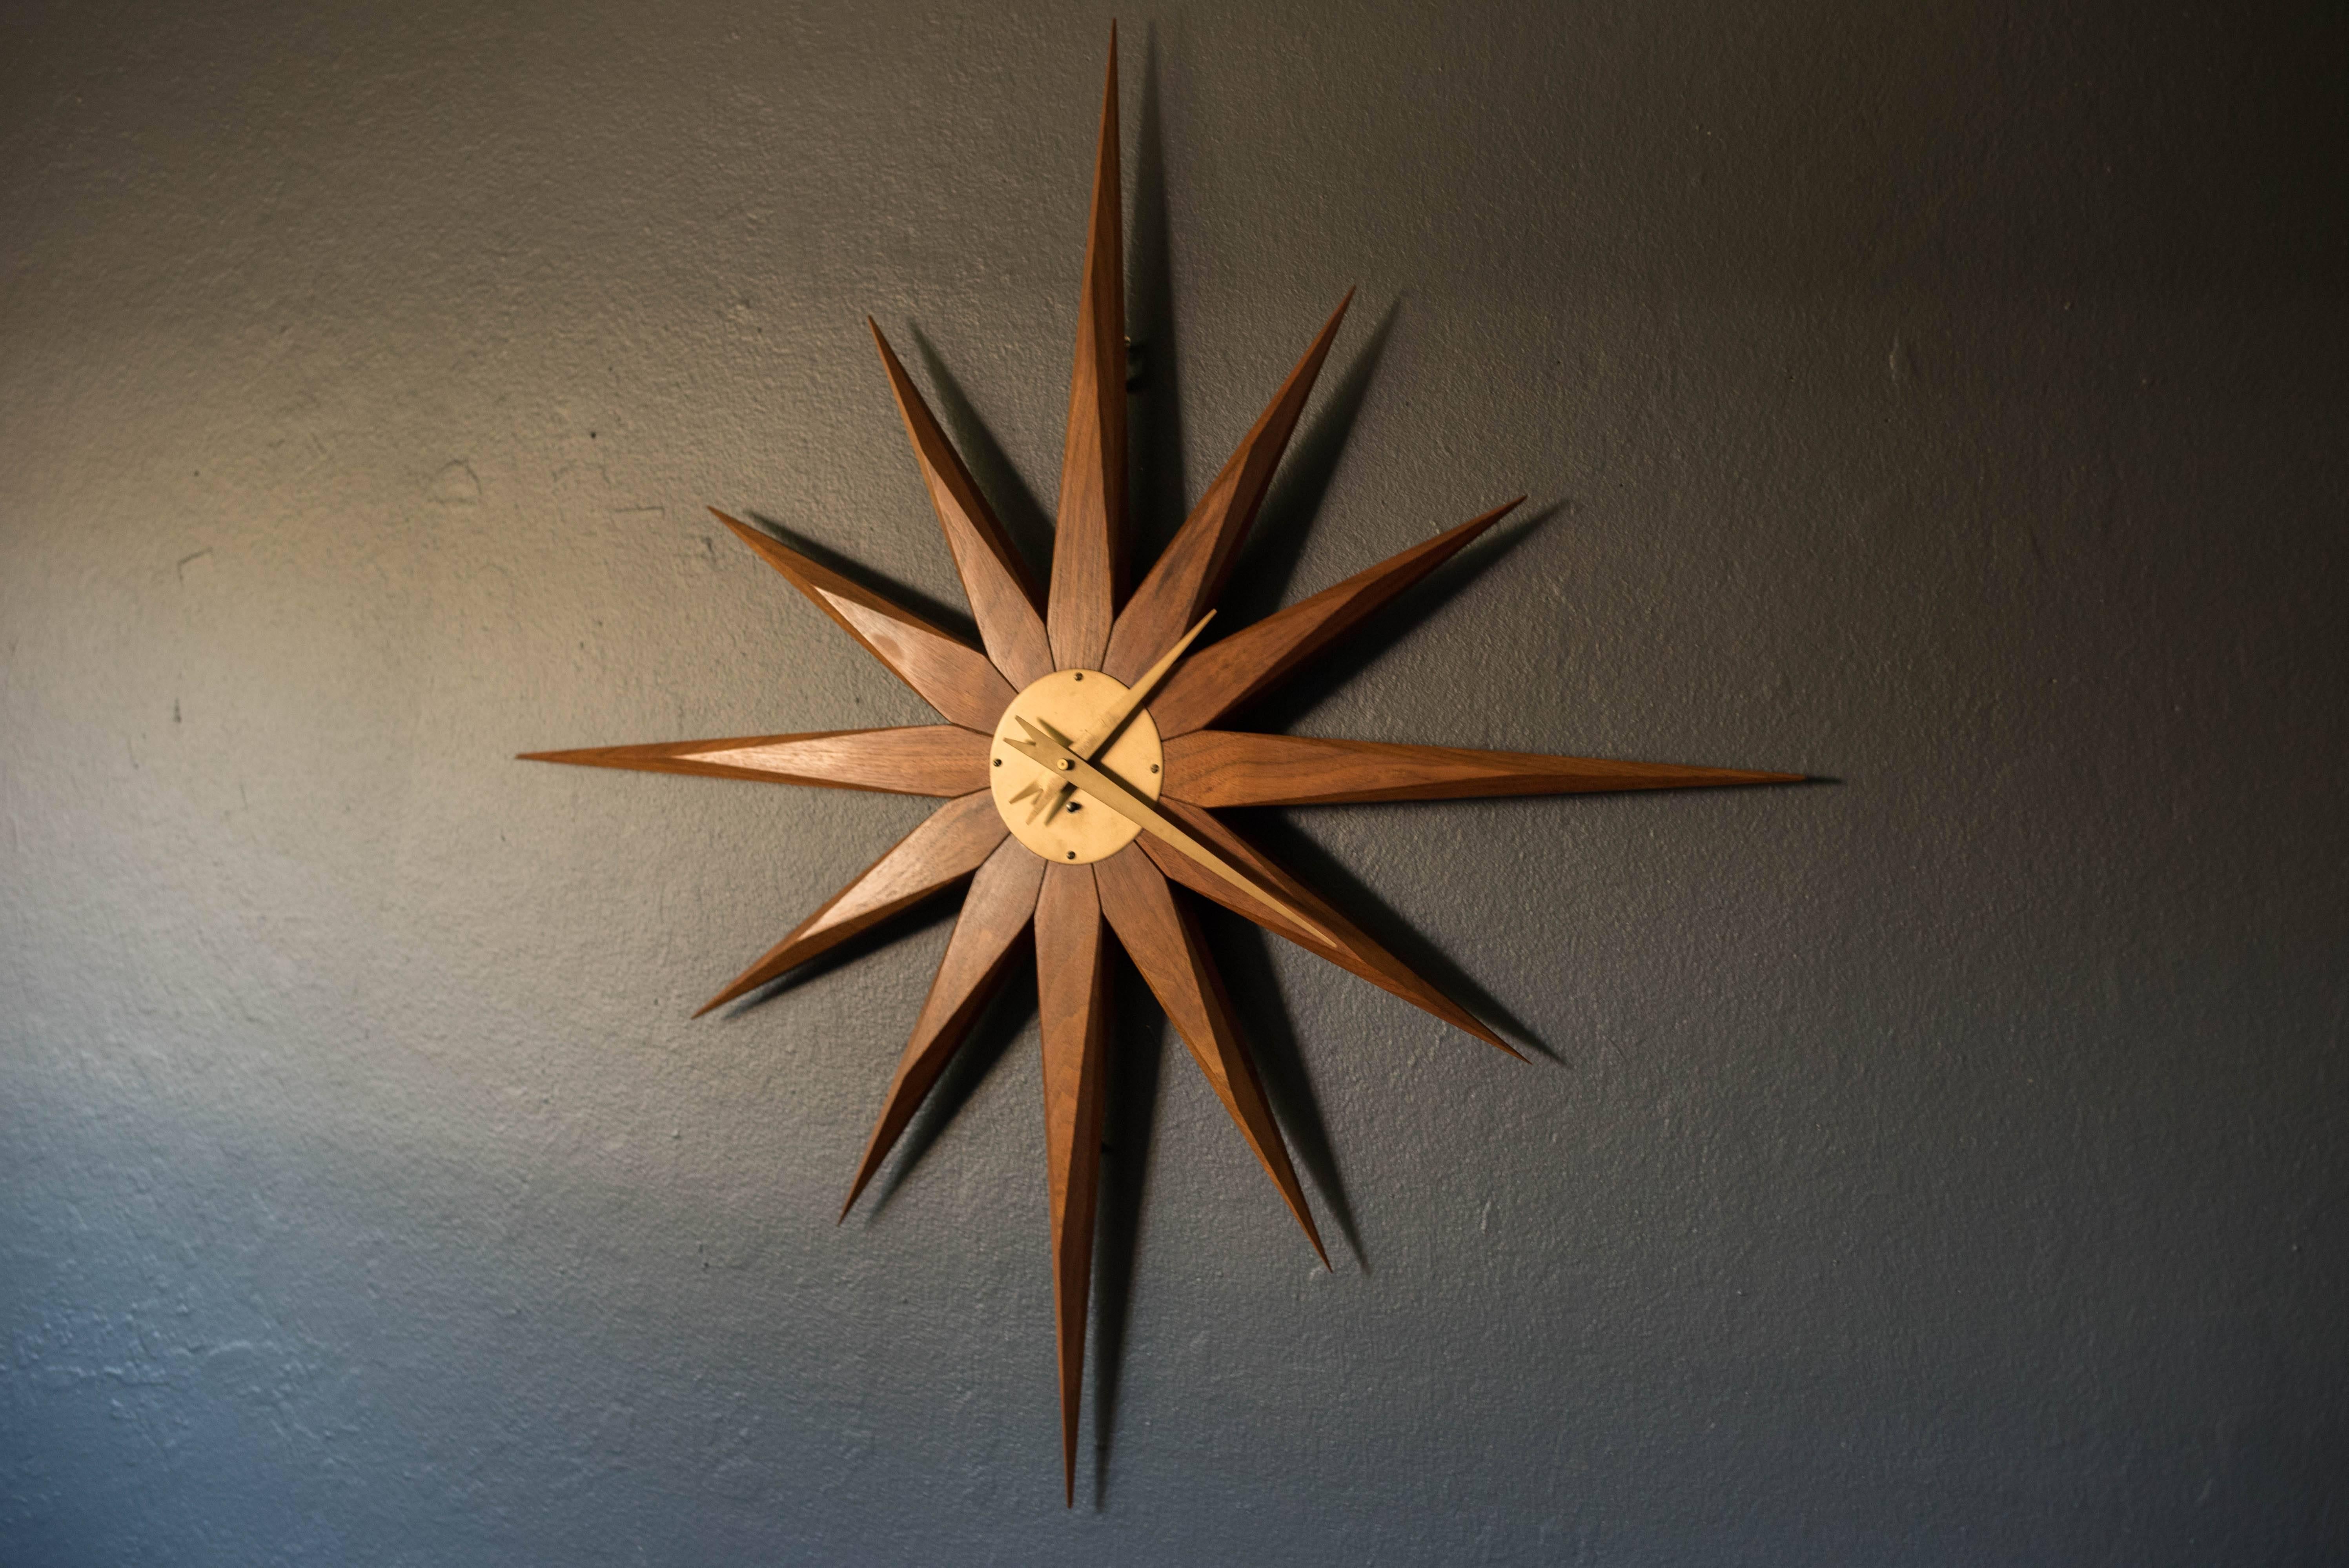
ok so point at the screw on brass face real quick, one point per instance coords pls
(1153, 767)
(1081, 675)
(998, 762)
(1072, 805)
(1072, 855)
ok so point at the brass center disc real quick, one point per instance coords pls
(1079, 829)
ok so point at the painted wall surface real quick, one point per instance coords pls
(1943, 1164)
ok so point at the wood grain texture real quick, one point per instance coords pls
(1190, 573)
(946, 848)
(995, 579)
(1213, 681)
(924, 759)
(1161, 936)
(957, 680)
(1073, 1008)
(1088, 532)
(1353, 950)
(1229, 768)
(988, 936)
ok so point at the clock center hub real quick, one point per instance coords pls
(1072, 827)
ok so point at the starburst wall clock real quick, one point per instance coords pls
(1082, 768)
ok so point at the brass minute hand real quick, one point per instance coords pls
(1106, 727)
(1052, 753)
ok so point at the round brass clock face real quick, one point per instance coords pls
(1043, 812)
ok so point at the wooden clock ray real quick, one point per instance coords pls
(1080, 768)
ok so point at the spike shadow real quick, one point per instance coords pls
(914, 917)
(1386, 628)
(1006, 1019)
(1156, 477)
(1016, 507)
(1269, 560)
(953, 619)
(1242, 952)
(1290, 846)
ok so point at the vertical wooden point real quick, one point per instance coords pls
(1089, 529)
(1073, 1006)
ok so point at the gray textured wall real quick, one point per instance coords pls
(1942, 1164)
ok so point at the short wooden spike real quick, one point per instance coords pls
(1190, 575)
(994, 579)
(1088, 533)
(1230, 768)
(931, 759)
(1073, 1007)
(947, 673)
(1163, 938)
(946, 848)
(1351, 949)
(988, 937)
(1213, 681)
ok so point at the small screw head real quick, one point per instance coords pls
(998, 762)
(1153, 767)
(1072, 855)
(1072, 805)
(1081, 675)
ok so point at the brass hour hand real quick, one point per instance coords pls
(1052, 753)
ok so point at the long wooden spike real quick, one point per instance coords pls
(1189, 575)
(1073, 1006)
(1217, 679)
(988, 936)
(1228, 768)
(947, 673)
(1163, 938)
(946, 849)
(929, 759)
(1089, 542)
(1351, 950)
(1002, 599)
